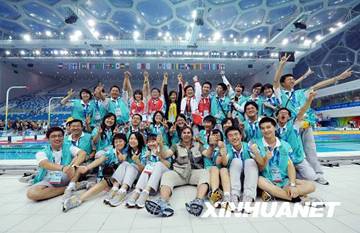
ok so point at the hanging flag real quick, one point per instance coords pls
(147, 66)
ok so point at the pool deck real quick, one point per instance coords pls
(17, 214)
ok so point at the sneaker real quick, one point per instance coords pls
(109, 196)
(159, 207)
(67, 193)
(225, 202)
(27, 178)
(71, 203)
(82, 185)
(215, 197)
(234, 199)
(117, 199)
(140, 202)
(247, 199)
(321, 180)
(266, 197)
(195, 207)
(130, 202)
(313, 202)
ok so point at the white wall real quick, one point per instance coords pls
(8, 78)
(340, 112)
(341, 88)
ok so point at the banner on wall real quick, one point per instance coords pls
(93, 66)
(188, 66)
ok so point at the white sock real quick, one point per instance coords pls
(122, 190)
(115, 189)
(137, 191)
(145, 191)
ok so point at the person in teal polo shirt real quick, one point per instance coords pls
(56, 166)
(251, 123)
(272, 100)
(126, 174)
(158, 161)
(110, 161)
(221, 104)
(82, 108)
(159, 126)
(80, 139)
(295, 99)
(209, 122)
(118, 105)
(100, 106)
(241, 165)
(216, 160)
(102, 136)
(289, 131)
(278, 174)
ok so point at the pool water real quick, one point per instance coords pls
(336, 146)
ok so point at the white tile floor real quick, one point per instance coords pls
(17, 214)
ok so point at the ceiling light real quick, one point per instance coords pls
(193, 14)
(318, 37)
(111, 37)
(216, 36)
(83, 52)
(96, 34)
(116, 52)
(27, 37)
(245, 54)
(91, 23)
(159, 34)
(263, 41)
(37, 52)
(136, 35)
(48, 33)
(307, 42)
(22, 52)
(285, 41)
(7, 53)
(331, 29)
(78, 33)
(340, 24)
(56, 52)
(246, 40)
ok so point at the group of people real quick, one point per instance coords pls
(24, 127)
(227, 144)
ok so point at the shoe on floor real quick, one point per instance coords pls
(159, 207)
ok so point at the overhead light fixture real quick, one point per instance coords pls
(48, 33)
(116, 52)
(27, 37)
(91, 23)
(136, 35)
(263, 41)
(340, 24)
(83, 52)
(56, 52)
(307, 42)
(217, 36)
(96, 34)
(285, 41)
(193, 14)
(22, 52)
(318, 37)
(159, 34)
(246, 40)
(331, 29)
(37, 52)
(7, 52)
